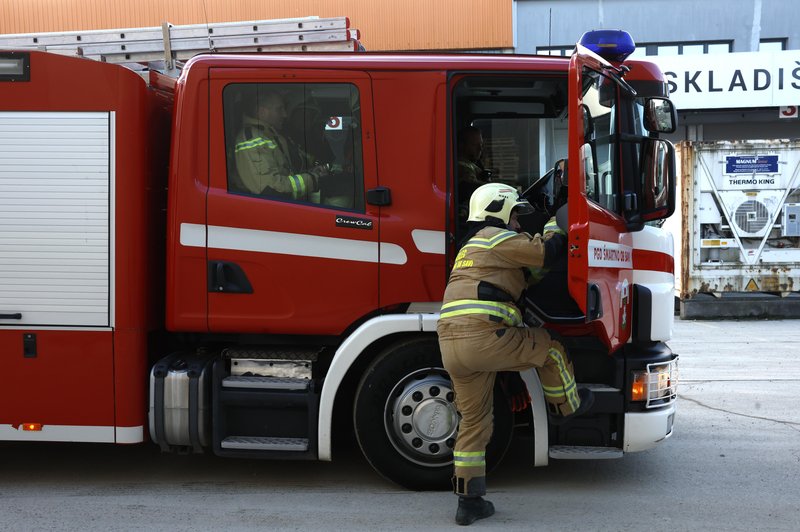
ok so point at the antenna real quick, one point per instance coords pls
(208, 30)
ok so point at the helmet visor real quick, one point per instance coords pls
(522, 207)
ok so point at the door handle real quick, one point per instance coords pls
(379, 196)
(594, 303)
(219, 279)
(227, 278)
(12, 316)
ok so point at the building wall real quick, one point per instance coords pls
(384, 24)
(546, 23)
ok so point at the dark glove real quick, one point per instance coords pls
(515, 390)
(319, 172)
(554, 248)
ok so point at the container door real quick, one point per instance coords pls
(600, 246)
(291, 254)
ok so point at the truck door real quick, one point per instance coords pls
(291, 253)
(600, 246)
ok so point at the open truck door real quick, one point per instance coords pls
(600, 260)
(621, 177)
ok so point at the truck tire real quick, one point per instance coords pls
(405, 419)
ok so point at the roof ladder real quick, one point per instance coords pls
(174, 44)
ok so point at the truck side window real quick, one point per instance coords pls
(296, 142)
(599, 122)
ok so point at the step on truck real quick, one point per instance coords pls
(147, 294)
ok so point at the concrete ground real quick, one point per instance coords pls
(733, 463)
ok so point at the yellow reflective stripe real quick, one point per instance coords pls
(556, 356)
(469, 458)
(552, 227)
(459, 463)
(255, 143)
(299, 186)
(293, 182)
(489, 243)
(558, 391)
(249, 144)
(574, 399)
(462, 307)
(566, 378)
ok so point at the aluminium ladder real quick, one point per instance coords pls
(174, 44)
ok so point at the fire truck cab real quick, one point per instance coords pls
(277, 319)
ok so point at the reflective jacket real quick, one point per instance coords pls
(489, 276)
(268, 164)
(469, 172)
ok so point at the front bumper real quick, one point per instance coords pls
(644, 430)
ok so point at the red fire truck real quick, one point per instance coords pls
(146, 293)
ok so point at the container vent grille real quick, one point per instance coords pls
(751, 216)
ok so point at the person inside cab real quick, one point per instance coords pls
(471, 173)
(267, 162)
(481, 332)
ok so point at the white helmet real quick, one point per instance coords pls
(496, 200)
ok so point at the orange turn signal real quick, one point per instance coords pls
(638, 387)
(32, 426)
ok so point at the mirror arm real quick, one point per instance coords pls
(616, 75)
(631, 202)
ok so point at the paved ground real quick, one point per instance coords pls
(732, 464)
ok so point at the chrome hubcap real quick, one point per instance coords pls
(421, 418)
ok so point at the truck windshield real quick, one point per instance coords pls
(599, 107)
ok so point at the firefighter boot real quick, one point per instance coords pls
(587, 400)
(470, 509)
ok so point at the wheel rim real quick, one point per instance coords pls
(420, 419)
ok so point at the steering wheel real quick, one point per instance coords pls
(548, 193)
(538, 184)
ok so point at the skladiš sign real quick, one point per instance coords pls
(737, 80)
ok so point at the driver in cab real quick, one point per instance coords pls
(471, 173)
(267, 162)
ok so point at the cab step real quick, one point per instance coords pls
(255, 443)
(569, 452)
(265, 407)
(273, 353)
(265, 383)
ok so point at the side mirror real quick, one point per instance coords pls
(657, 195)
(660, 116)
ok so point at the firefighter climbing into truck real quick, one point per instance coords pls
(145, 296)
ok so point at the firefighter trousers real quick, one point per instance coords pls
(473, 350)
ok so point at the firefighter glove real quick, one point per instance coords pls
(318, 173)
(554, 248)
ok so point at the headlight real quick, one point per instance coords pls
(657, 385)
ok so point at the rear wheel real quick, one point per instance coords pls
(406, 421)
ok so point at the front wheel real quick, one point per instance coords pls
(406, 420)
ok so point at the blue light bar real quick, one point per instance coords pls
(612, 45)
